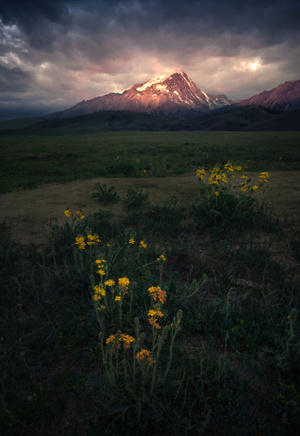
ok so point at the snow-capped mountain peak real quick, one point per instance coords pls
(173, 94)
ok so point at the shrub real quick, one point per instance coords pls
(135, 198)
(219, 208)
(105, 195)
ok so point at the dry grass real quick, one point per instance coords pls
(30, 213)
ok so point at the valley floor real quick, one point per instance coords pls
(30, 213)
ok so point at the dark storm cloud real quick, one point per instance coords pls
(270, 19)
(66, 50)
(14, 79)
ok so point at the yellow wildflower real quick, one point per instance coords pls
(161, 258)
(80, 242)
(109, 282)
(101, 272)
(96, 297)
(67, 212)
(98, 261)
(99, 290)
(92, 239)
(264, 177)
(118, 298)
(158, 294)
(145, 354)
(200, 173)
(110, 339)
(127, 339)
(80, 213)
(123, 282)
(155, 313)
(254, 187)
(131, 241)
(142, 244)
(217, 193)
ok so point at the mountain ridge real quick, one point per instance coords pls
(173, 94)
(285, 96)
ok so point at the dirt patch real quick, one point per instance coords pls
(30, 213)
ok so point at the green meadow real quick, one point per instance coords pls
(27, 161)
(157, 301)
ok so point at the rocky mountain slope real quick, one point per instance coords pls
(285, 96)
(166, 95)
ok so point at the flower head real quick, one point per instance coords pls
(200, 173)
(110, 339)
(67, 212)
(145, 354)
(123, 282)
(158, 294)
(79, 240)
(80, 213)
(99, 293)
(109, 282)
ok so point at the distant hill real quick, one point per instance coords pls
(244, 118)
(284, 97)
(18, 123)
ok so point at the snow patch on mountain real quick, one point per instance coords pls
(152, 82)
(172, 94)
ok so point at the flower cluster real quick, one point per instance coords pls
(153, 314)
(200, 173)
(68, 213)
(110, 282)
(231, 168)
(145, 354)
(102, 268)
(99, 293)
(161, 258)
(91, 240)
(123, 283)
(157, 294)
(81, 214)
(126, 339)
(263, 177)
(153, 317)
(222, 179)
(142, 243)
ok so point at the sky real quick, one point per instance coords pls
(56, 53)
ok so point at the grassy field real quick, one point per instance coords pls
(27, 161)
(157, 306)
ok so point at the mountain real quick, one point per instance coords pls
(284, 97)
(166, 95)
